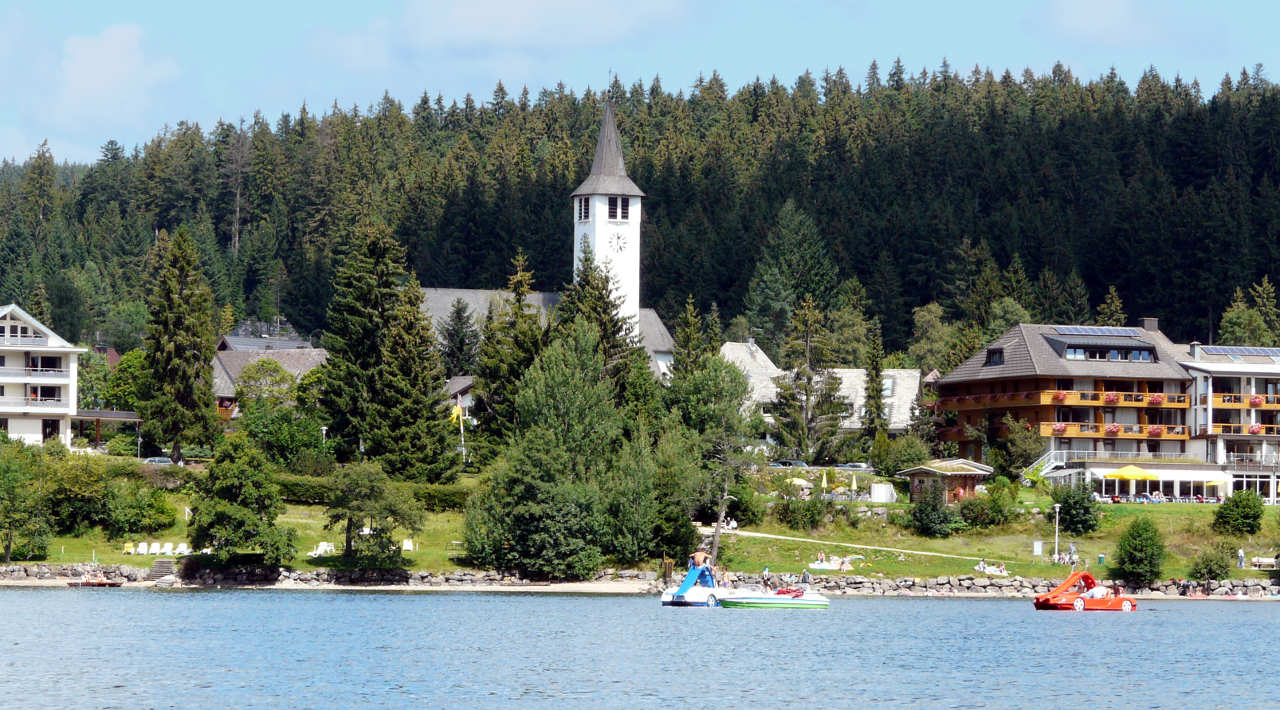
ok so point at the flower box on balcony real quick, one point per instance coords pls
(1113, 429)
(1155, 431)
(1111, 397)
(1059, 396)
(1255, 428)
(1156, 399)
(1059, 428)
(1255, 401)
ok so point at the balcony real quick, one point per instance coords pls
(1068, 398)
(34, 372)
(1114, 430)
(1244, 429)
(11, 403)
(1230, 400)
(24, 340)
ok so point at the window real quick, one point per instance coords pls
(613, 208)
(4, 425)
(584, 209)
(886, 389)
(1, 360)
(625, 205)
(1075, 353)
(995, 356)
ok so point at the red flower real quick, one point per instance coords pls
(1113, 428)
(1111, 397)
(1059, 427)
(1156, 399)
(1255, 429)
(1155, 431)
(1059, 395)
(1255, 401)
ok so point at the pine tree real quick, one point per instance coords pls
(1047, 297)
(793, 264)
(593, 297)
(177, 386)
(236, 505)
(690, 340)
(1016, 284)
(39, 305)
(1111, 312)
(808, 408)
(366, 291)
(459, 341)
(226, 320)
(1243, 325)
(409, 431)
(714, 329)
(1075, 300)
(874, 421)
(1263, 295)
(512, 339)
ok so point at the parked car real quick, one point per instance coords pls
(854, 466)
(162, 461)
(788, 463)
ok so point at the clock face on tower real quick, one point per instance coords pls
(619, 241)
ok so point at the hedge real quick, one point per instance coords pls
(310, 490)
(315, 490)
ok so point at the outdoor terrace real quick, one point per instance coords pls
(1037, 398)
(1114, 430)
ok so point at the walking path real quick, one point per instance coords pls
(706, 530)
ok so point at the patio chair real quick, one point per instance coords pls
(167, 549)
(128, 548)
(407, 546)
(154, 549)
(182, 549)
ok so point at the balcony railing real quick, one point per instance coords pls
(1243, 429)
(23, 340)
(34, 372)
(1232, 400)
(1088, 455)
(1114, 430)
(16, 402)
(1037, 398)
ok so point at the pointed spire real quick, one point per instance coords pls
(608, 169)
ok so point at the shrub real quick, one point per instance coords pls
(801, 514)
(1139, 552)
(983, 512)
(55, 449)
(1215, 562)
(1240, 514)
(77, 493)
(1080, 512)
(313, 462)
(437, 498)
(134, 507)
(122, 445)
(79, 442)
(930, 516)
(746, 506)
(312, 490)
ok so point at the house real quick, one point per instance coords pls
(228, 364)
(38, 377)
(259, 342)
(458, 390)
(1085, 389)
(899, 387)
(959, 478)
(605, 216)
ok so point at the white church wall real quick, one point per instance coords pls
(615, 244)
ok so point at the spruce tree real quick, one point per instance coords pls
(366, 290)
(592, 297)
(409, 432)
(176, 391)
(1111, 312)
(1016, 284)
(874, 421)
(793, 264)
(1244, 325)
(690, 340)
(1263, 295)
(808, 408)
(459, 341)
(1047, 297)
(512, 339)
(1075, 300)
(714, 329)
(39, 304)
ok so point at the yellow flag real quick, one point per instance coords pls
(456, 414)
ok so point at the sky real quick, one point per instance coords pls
(80, 73)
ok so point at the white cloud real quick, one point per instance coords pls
(107, 78)
(1110, 22)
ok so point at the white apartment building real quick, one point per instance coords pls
(38, 373)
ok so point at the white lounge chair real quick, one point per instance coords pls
(167, 549)
(407, 546)
(182, 549)
(154, 549)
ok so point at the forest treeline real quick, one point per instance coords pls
(1167, 193)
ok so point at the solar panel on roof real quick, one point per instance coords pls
(1097, 330)
(1238, 350)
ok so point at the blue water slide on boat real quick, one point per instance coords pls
(697, 589)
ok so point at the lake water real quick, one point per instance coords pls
(204, 649)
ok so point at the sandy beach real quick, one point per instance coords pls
(617, 586)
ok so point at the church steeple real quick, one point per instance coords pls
(608, 169)
(606, 216)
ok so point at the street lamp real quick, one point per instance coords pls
(1056, 508)
(324, 434)
(139, 443)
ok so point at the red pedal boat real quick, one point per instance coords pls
(1081, 592)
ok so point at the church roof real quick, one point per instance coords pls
(608, 169)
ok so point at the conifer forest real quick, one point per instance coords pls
(906, 187)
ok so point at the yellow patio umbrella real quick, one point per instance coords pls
(1132, 473)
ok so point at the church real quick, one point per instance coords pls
(606, 218)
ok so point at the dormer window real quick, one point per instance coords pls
(995, 356)
(584, 209)
(619, 207)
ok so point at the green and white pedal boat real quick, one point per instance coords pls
(755, 597)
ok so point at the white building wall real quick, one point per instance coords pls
(615, 244)
(26, 429)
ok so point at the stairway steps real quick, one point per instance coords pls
(161, 568)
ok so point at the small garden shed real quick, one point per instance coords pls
(959, 477)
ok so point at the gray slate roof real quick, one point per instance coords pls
(246, 342)
(759, 369)
(1032, 350)
(436, 302)
(608, 170)
(228, 364)
(903, 386)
